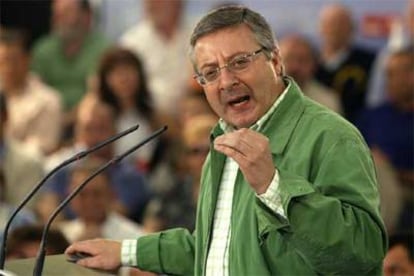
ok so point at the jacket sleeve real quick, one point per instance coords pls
(334, 222)
(170, 252)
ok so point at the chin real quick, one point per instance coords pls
(243, 123)
(241, 120)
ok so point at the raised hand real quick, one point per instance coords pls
(251, 151)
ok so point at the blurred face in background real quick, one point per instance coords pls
(14, 66)
(95, 122)
(193, 105)
(298, 59)
(69, 21)
(123, 79)
(397, 262)
(335, 27)
(26, 249)
(163, 13)
(93, 203)
(400, 78)
(196, 137)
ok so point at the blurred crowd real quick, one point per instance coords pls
(73, 88)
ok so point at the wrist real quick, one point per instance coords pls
(128, 252)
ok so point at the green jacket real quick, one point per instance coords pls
(329, 194)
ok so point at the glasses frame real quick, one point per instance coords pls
(201, 79)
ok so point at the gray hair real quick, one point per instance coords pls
(234, 15)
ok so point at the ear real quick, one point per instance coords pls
(276, 59)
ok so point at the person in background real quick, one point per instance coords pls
(389, 128)
(66, 58)
(196, 138)
(400, 256)
(401, 35)
(123, 85)
(176, 207)
(24, 242)
(95, 122)
(31, 103)
(281, 168)
(24, 217)
(343, 66)
(22, 169)
(194, 103)
(173, 170)
(95, 217)
(159, 39)
(300, 60)
(391, 192)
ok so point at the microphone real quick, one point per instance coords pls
(40, 259)
(72, 159)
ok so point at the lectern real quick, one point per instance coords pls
(55, 265)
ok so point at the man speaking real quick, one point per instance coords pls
(288, 187)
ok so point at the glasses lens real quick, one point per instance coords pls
(241, 62)
(210, 74)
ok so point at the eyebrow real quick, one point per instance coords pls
(214, 64)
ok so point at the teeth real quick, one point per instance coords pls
(239, 100)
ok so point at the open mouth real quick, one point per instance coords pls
(239, 101)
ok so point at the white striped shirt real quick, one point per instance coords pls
(217, 261)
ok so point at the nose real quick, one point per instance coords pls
(227, 79)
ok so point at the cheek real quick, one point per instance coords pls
(112, 80)
(213, 100)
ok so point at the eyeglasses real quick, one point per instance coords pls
(236, 64)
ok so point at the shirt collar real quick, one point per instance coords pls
(258, 126)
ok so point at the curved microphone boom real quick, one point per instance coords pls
(72, 159)
(42, 248)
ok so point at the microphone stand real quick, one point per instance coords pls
(40, 259)
(74, 158)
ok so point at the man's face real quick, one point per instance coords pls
(67, 18)
(239, 98)
(400, 78)
(335, 27)
(26, 249)
(397, 262)
(298, 60)
(93, 202)
(14, 66)
(93, 127)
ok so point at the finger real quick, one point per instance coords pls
(230, 152)
(91, 262)
(235, 144)
(243, 140)
(71, 249)
(83, 246)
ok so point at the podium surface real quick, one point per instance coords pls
(54, 265)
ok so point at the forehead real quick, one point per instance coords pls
(98, 182)
(335, 13)
(224, 42)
